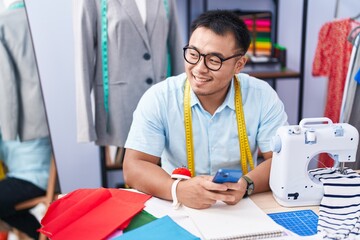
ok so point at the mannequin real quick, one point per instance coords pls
(137, 39)
(22, 112)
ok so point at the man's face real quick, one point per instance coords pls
(205, 82)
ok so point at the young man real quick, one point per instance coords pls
(206, 98)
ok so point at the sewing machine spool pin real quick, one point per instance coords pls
(295, 146)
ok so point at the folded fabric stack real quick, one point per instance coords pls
(260, 29)
(91, 213)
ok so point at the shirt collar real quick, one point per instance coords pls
(229, 99)
(193, 98)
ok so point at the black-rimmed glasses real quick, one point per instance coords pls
(212, 61)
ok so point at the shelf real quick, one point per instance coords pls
(111, 160)
(114, 167)
(286, 73)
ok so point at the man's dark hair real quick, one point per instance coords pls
(222, 22)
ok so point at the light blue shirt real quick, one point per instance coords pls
(27, 160)
(158, 125)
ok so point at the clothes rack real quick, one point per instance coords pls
(351, 98)
(350, 84)
(353, 34)
(336, 12)
(356, 17)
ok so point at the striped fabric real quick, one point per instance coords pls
(339, 211)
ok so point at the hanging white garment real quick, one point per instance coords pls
(350, 106)
(350, 84)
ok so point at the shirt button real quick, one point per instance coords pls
(149, 81)
(147, 56)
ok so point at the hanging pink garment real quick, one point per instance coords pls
(331, 60)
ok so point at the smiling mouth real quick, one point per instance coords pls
(201, 79)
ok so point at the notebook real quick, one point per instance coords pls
(244, 220)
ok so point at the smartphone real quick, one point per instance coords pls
(227, 175)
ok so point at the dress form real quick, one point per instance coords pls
(134, 33)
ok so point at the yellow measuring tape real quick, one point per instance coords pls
(188, 129)
(245, 152)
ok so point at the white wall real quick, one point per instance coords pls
(51, 27)
(50, 21)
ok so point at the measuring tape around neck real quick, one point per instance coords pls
(245, 152)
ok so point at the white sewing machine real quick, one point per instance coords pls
(294, 146)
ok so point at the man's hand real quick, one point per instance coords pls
(237, 190)
(200, 192)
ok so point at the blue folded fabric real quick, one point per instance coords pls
(161, 229)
